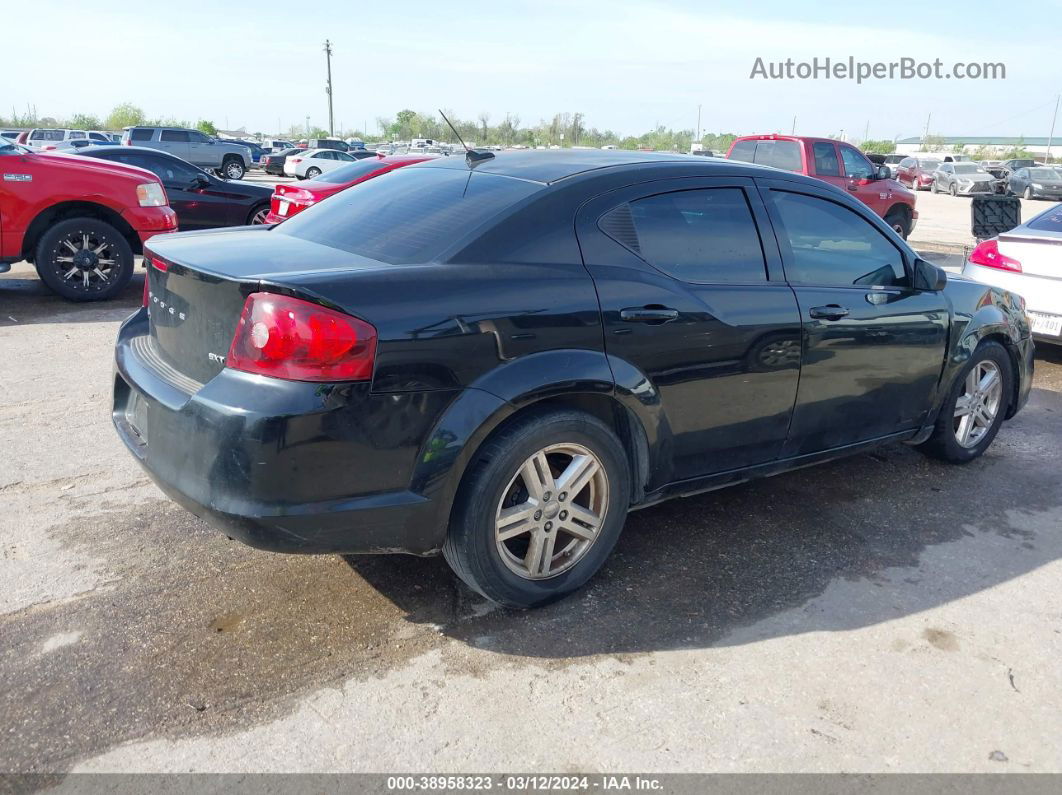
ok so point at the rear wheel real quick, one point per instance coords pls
(975, 407)
(258, 215)
(84, 259)
(232, 168)
(540, 509)
(313, 172)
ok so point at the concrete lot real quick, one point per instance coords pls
(884, 613)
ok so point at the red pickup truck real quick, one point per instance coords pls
(78, 220)
(839, 164)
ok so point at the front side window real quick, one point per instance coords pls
(833, 246)
(855, 165)
(174, 136)
(701, 236)
(198, 138)
(826, 164)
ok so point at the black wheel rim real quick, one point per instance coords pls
(87, 261)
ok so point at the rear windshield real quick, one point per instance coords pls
(1049, 221)
(779, 154)
(338, 176)
(408, 215)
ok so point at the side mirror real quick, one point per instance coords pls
(882, 172)
(928, 276)
(201, 181)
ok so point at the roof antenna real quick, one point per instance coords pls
(472, 157)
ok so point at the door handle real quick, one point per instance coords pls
(649, 314)
(828, 312)
(853, 188)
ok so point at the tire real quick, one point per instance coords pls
(499, 569)
(945, 443)
(101, 273)
(932, 187)
(232, 168)
(1028, 195)
(899, 221)
(258, 215)
(954, 189)
(313, 172)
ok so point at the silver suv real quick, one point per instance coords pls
(231, 160)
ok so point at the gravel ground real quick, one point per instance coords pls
(883, 613)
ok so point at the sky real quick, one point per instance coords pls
(627, 65)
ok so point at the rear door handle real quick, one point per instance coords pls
(649, 314)
(828, 312)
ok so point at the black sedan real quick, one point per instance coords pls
(201, 201)
(497, 357)
(1040, 182)
(274, 163)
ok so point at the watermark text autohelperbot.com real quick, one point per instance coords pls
(861, 71)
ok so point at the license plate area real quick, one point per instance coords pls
(282, 208)
(1046, 325)
(136, 419)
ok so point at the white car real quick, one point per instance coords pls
(314, 162)
(1027, 260)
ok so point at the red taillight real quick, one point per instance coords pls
(128, 142)
(159, 264)
(289, 338)
(987, 254)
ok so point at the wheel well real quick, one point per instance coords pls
(75, 209)
(899, 207)
(1013, 354)
(611, 412)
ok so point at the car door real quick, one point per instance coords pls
(201, 150)
(861, 181)
(873, 346)
(697, 318)
(826, 164)
(175, 142)
(1019, 180)
(944, 177)
(203, 201)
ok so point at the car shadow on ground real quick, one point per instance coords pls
(25, 300)
(693, 572)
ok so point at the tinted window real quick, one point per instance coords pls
(409, 215)
(834, 246)
(170, 170)
(779, 154)
(826, 164)
(198, 137)
(140, 135)
(351, 172)
(700, 235)
(47, 135)
(1050, 221)
(907, 162)
(855, 165)
(99, 137)
(174, 135)
(743, 150)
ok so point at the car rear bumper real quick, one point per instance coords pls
(284, 466)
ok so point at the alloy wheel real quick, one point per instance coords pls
(551, 512)
(88, 261)
(234, 170)
(260, 216)
(978, 404)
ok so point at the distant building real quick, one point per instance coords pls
(997, 144)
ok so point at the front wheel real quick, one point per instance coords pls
(313, 172)
(898, 220)
(1028, 195)
(540, 509)
(975, 407)
(84, 259)
(233, 168)
(954, 189)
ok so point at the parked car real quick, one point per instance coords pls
(917, 173)
(79, 221)
(499, 362)
(231, 160)
(11, 135)
(289, 200)
(995, 168)
(328, 143)
(1036, 183)
(310, 163)
(893, 162)
(274, 163)
(1016, 163)
(277, 144)
(962, 179)
(837, 163)
(257, 152)
(200, 200)
(40, 138)
(1026, 261)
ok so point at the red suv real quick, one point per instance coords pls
(78, 220)
(839, 164)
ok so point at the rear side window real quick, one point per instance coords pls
(833, 246)
(140, 134)
(826, 164)
(409, 215)
(703, 236)
(47, 135)
(177, 136)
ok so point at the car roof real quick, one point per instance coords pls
(552, 165)
(119, 148)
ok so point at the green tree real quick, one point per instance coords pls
(85, 121)
(206, 126)
(125, 115)
(879, 147)
(934, 143)
(1018, 150)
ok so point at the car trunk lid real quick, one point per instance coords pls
(1039, 255)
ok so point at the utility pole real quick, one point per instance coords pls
(925, 136)
(307, 126)
(698, 124)
(866, 131)
(1051, 135)
(792, 131)
(328, 89)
